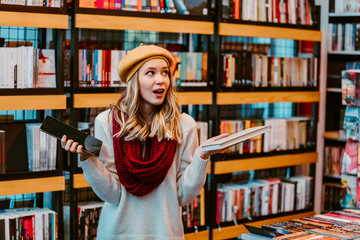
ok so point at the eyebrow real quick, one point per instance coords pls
(154, 68)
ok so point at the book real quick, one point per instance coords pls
(58, 129)
(235, 138)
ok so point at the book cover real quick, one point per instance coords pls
(2, 151)
(235, 138)
(46, 69)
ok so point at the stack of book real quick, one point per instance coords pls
(344, 224)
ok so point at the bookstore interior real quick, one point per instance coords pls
(280, 77)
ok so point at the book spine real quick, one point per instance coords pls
(2, 151)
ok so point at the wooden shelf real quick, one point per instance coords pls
(232, 98)
(94, 21)
(355, 53)
(33, 185)
(202, 235)
(239, 165)
(335, 135)
(248, 30)
(345, 14)
(94, 100)
(38, 20)
(233, 231)
(32, 102)
(79, 181)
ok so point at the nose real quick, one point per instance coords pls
(160, 79)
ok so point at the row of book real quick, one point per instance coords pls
(41, 147)
(341, 224)
(346, 6)
(37, 3)
(344, 36)
(333, 160)
(333, 196)
(28, 223)
(300, 12)
(97, 68)
(245, 68)
(27, 67)
(198, 7)
(193, 214)
(283, 134)
(262, 197)
(40, 153)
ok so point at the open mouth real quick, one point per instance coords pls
(159, 92)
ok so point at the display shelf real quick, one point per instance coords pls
(355, 53)
(111, 22)
(79, 181)
(232, 98)
(201, 235)
(94, 100)
(33, 185)
(239, 165)
(38, 20)
(236, 231)
(342, 15)
(337, 135)
(249, 30)
(337, 90)
(36, 102)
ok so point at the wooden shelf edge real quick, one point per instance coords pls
(34, 185)
(33, 102)
(233, 231)
(92, 100)
(194, 98)
(94, 21)
(202, 235)
(337, 135)
(232, 98)
(95, 100)
(230, 166)
(79, 181)
(38, 20)
(248, 30)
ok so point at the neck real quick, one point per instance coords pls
(146, 111)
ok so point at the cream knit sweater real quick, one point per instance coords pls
(156, 216)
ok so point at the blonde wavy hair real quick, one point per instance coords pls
(165, 119)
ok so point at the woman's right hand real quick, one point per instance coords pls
(75, 147)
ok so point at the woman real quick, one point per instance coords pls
(150, 163)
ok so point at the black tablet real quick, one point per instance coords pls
(58, 129)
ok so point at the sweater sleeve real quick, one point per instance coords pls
(103, 181)
(192, 173)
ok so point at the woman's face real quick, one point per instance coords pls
(154, 81)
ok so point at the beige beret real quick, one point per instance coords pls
(135, 58)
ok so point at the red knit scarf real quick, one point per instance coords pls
(138, 174)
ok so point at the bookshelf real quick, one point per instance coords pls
(337, 57)
(214, 95)
(241, 30)
(42, 19)
(114, 22)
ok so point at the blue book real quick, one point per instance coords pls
(253, 236)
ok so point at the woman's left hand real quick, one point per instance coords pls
(206, 154)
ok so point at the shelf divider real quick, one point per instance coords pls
(249, 30)
(143, 24)
(38, 20)
(32, 185)
(232, 98)
(239, 165)
(32, 102)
